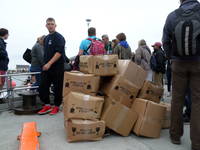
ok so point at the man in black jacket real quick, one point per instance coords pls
(4, 60)
(53, 68)
(160, 59)
(181, 42)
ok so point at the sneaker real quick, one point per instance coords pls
(176, 141)
(54, 111)
(45, 110)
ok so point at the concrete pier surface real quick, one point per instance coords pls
(54, 137)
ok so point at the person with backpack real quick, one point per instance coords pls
(142, 58)
(53, 69)
(158, 63)
(122, 49)
(4, 60)
(181, 41)
(92, 45)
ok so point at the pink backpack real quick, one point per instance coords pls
(97, 47)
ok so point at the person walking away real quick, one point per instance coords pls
(122, 49)
(142, 58)
(53, 68)
(181, 41)
(4, 60)
(37, 55)
(92, 45)
(107, 43)
(158, 63)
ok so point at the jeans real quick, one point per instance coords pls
(37, 76)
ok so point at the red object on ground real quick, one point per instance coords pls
(45, 110)
(29, 137)
(54, 111)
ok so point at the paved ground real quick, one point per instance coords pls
(54, 138)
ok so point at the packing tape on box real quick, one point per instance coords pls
(121, 116)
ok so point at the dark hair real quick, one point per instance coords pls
(50, 19)
(91, 31)
(3, 32)
(121, 37)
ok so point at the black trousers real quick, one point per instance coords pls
(53, 76)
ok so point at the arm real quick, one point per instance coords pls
(3, 53)
(167, 35)
(52, 61)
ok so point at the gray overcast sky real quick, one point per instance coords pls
(25, 19)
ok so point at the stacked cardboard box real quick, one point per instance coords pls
(118, 117)
(80, 82)
(101, 65)
(121, 91)
(167, 119)
(151, 91)
(82, 108)
(81, 114)
(150, 118)
(125, 86)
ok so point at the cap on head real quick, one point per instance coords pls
(158, 44)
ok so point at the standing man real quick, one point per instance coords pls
(4, 60)
(157, 63)
(181, 39)
(53, 68)
(107, 43)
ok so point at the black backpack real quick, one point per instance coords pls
(186, 36)
(27, 56)
(155, 65)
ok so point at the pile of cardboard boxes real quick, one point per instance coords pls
(129, 103)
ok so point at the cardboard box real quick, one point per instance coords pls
(132, 72)
(167, 119)
(81, 106)
(86, 63)
(84, 130)
(100, 65)
(121, 90)
(80, 82)
(118, 117)
(150, 119)
(151, 91)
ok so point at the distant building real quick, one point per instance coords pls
(22, 68)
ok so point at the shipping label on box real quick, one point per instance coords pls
(81, 106)
(84, 130)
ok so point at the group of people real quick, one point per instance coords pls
(181, 44)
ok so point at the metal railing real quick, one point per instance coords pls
(10, 89)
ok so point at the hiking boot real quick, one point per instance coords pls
(55, 110)
(46, 109)
(176, 141)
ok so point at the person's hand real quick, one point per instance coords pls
(46, 67)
